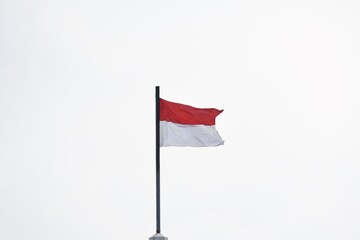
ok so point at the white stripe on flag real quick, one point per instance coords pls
(182, 135)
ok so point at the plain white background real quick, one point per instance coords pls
(77, 137)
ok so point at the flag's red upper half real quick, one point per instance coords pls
(185, 114)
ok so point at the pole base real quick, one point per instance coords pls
(158, 236)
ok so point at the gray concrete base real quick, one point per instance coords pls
(158, 236)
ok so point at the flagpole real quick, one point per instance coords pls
(157, 95)
(158, 235)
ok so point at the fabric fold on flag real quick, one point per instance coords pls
(183, 125)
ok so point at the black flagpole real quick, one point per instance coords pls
(157, 94)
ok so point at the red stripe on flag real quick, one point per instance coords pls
(185, 114)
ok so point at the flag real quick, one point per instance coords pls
(183, 125)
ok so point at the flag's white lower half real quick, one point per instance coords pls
(182, 135)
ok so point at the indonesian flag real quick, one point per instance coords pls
(183, 125)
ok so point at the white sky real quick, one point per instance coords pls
(77, 136)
